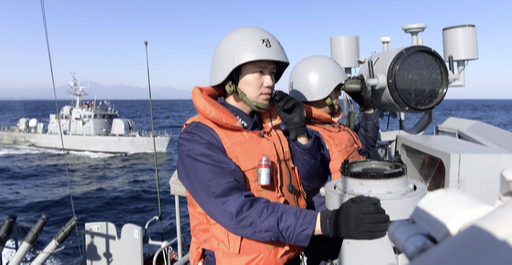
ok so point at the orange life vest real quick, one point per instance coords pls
(245, 148)
(341, 141)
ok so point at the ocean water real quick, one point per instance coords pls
(116, 188)
(494, 112)
(122, 188)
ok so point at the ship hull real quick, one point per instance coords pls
(100, 143)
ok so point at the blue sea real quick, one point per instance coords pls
(122, 188)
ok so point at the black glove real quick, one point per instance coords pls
(291, 113)
(358, 218)
(363, 98)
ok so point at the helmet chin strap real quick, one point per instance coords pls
(254, 105)
(332, 107)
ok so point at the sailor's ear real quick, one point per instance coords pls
(234, 76)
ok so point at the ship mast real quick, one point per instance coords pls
(76, 90)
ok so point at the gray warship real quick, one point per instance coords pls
(86, 126)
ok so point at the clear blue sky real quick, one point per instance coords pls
(103, 41)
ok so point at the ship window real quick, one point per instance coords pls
(89, 116)
(438, 176)
(425, 167)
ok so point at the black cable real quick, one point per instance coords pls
(57, 111)
(154, 147)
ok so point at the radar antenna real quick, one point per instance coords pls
(76, 90)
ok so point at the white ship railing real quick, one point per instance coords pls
(177, 190)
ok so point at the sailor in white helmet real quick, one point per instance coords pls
(317, 81)
(246, 181)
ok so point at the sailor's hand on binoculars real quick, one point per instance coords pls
(291, 113)
(358, 218)
(363, 98)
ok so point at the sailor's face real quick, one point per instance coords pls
(335, 97)
(257, 80)
(322, 104)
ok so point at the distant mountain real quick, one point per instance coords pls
(99, 91)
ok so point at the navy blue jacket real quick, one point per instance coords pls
(367, 130)
(218, 186)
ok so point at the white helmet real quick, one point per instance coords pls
(314, 78)
(245, 45)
